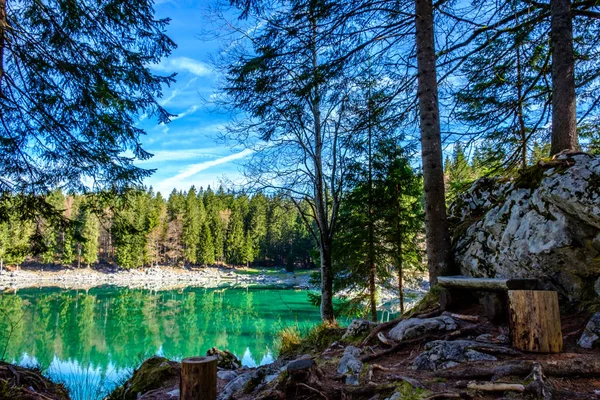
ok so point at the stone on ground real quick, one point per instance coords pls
(591, 334)
(416, 327)
(442, 354)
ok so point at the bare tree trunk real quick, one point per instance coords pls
(321, 213)
(326, 283)
(3, 27)
(436, 224)
(372, 270)
(564, 118)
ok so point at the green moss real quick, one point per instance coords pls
(530, 178)
(408, 392)
(152, 374)
(429, 302)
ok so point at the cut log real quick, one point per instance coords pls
(535, 321)
(198, 378)
(487, 284)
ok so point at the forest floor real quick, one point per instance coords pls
(156, 278)
(387, 370)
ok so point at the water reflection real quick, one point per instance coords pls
(95, 338)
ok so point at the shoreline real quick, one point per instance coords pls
(155, 278)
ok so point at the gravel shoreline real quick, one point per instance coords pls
(156, 278)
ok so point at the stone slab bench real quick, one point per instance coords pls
(534, 313)
(487, 284)
(492, 293)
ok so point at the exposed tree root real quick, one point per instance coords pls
(381, 327)
(584, 367)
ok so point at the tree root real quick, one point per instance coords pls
(584, 367)
(395, 348)
(313, 390)
(428, 314)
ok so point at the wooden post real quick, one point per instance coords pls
(198, 378)
(535, 321)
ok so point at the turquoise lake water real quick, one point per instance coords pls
(91, 340)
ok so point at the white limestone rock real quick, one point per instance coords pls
(544, 224)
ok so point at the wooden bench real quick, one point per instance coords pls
(534, 317)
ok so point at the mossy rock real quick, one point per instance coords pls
(429, 302)
(154, 373)
(20, 383)
(225, 358)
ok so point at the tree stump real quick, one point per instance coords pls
(535, 321)
(198, 378)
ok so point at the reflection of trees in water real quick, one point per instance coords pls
(121, 326)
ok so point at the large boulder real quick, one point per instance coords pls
(543, 224)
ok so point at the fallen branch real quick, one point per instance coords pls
(314, 390)
(428, 314)
(445, 395)
(469, 318)
(496, 387)
(470, 329)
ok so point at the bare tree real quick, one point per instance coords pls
(294, 113)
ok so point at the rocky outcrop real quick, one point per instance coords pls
(543, 224)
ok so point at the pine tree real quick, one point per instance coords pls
(192, 220)
(206, 246)
(235, 242)
(74, 77)
(89, 233)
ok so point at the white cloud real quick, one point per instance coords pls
(166, 101)
(184, 64)
(177, 155)
(193, 169)
(189, 111)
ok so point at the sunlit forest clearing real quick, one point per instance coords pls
(299, 199)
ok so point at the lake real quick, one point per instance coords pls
(91, 340)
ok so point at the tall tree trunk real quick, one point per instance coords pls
(3, 27)
(322, 215)
(564, 118)
(436, 224)
(326, 283)
(372, 270)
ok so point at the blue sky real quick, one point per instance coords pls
(186, 151)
